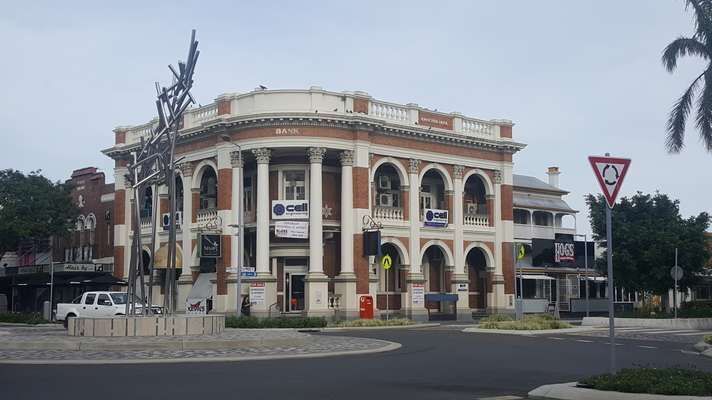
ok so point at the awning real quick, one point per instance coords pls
(596, 278)
(553, 204)
(441, 297)
(541, 277)
(161, 259)
(104, 280)
(203, 287)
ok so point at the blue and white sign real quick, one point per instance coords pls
(435, 217)
(290, 209)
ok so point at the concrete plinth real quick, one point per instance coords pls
(317, 296)
(179, 325)
(345, 287)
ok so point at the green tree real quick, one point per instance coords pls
(699, 45)
(646, 230)
(31, 206)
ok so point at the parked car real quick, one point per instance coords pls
(99, 304)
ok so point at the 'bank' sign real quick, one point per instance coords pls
(290, 209)
(435, 217)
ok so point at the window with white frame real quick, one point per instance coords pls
(294, 185)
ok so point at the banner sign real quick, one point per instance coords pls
(291, 229)
(435, 217)
(418, 293)
(564, 250)
(196, 306)
(290, 209)
(210, 246)
(257, 293)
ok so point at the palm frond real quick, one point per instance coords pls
(675, 140)
(704, 112)
(682, 47)
(703, 18)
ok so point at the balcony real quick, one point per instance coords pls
(476, 220)
(206, 215)
(388, 214)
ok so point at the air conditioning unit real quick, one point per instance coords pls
(385, 200)
(384, 182)
(471, 208)
(166, 220)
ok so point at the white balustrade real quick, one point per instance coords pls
(146, 221)
(477, 127)
(389, 111)
(476, 220)
(387, 213)
(136, 133)
(206, 215)
(204, 113)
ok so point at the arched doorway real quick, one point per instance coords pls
(391, 282)
(476, 261)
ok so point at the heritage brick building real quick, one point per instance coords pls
(439, 183)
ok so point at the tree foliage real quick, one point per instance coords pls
(698, 45)
(646, 230)
(33, 207)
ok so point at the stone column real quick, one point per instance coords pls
(236, 240)
(317, 290)
(122, 224)
(459, 278)
(345, 284)
(186, 170)
(414, 310)
(262, 258)
(496, 301)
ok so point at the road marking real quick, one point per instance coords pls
(694, 353)
(609, 343)
(501, 398)
(556, 338)
(672, 331)
(647, 347)
(584, 341)
(695, 333)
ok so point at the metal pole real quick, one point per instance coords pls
(517, 312)
(611, 315)
(240, 232)
(51, 289)
(585, 266)
(674, 293)
(386, 273)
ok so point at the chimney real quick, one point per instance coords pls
(553, 173)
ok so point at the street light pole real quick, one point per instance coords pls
(51, 288)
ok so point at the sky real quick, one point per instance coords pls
(577, 78)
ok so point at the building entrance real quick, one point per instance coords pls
(294, 289)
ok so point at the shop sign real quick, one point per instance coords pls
(257, 293)
(564, 249)
(210, 246)
(77, 267)
(291, 229)
(196, 306)
(462, 287)
(290, 209)
(435, 217)
(418, 293)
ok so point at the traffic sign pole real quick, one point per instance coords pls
(611, 315)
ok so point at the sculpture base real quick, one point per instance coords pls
(178, 325)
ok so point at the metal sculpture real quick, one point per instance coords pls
(153, 165)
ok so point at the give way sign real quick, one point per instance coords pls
(610, 172)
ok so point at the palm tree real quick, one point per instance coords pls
(700, 45)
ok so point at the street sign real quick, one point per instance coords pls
(676, 272)
(386, 262)
(609, 172)
(522, 252)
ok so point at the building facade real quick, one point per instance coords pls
(315, 167)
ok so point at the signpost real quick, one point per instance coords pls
(386, 262)
(518, 303)
(676, 273)
(610, 172)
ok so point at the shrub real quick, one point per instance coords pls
(708, 339)
(528, 323)
(19, 318)
(497, 318)
(373, 322)
(279, 322)
(669, 381)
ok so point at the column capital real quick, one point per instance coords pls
(186, 169)
(236, 159)
(497, 176)
(262, 155)
(316, 154)
(414, 166)
(458, 171)
(347, 158)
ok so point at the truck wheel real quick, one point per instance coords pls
(66, 320)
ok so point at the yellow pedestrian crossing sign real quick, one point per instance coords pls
(521, 253)
(386, 261)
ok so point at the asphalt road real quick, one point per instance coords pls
(439, 363)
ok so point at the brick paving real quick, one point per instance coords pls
(304, 344)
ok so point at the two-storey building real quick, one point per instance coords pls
(440, 184)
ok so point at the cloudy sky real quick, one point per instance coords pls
(577, 77)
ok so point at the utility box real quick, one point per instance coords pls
(365, 309)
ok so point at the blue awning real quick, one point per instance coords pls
(441, 297)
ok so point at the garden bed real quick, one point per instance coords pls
(536, 322)
(359, 323)
(280, 322)
(666, 381)
(20, 318)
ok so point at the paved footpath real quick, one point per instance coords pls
(48, 344)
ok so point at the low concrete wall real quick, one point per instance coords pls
(680, 323)
(179, 325)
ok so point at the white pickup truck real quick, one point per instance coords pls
(98, 304)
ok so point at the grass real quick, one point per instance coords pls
(280, 322)
(708, 339)
(668, 381)
(19, 318)
(529, 323)
(373, 322)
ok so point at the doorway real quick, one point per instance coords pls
(294, 289)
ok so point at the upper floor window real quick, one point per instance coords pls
(294, 185)
(209, 190)
(521, 216)
(147, 203)
(542, 218)
(387, 186)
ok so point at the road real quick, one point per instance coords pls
(434, 363)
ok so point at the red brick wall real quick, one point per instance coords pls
(195, 203)
(360, 265)
(360, 183)
(223, 107)
(119, 207)
(505, 131)
(120, 137)
(224, 188)
(222, 263)
(507, 210)
(361, 106)
(508, 267)
(331, 193)
(119, 261)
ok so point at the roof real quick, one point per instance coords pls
(530, 182)
(552, 204)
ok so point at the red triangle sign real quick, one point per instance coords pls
(610, 172)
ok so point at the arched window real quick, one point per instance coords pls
(179, 193)
(209, 190)
(147, 204)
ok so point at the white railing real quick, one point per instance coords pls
(206, 215)
(476, 220)
(146, 221)
(205, 113)
(389, 111)
(387, 213)
(477, 127)
(141, 131)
